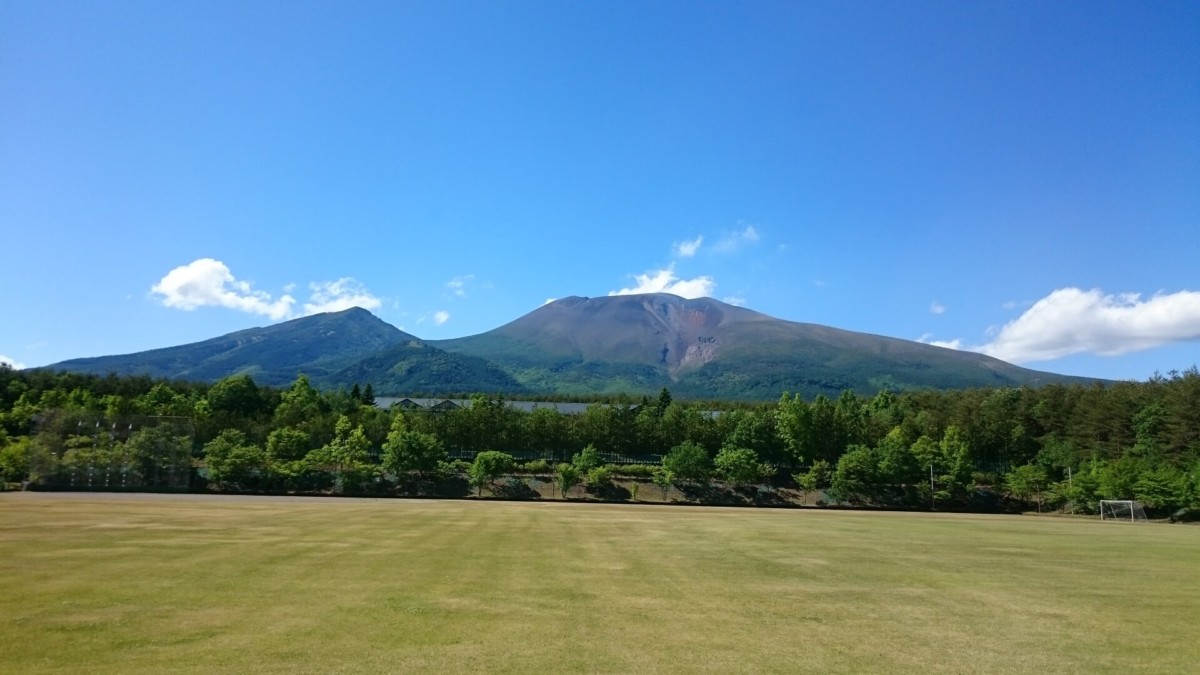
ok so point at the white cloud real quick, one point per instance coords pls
(937, 307)
(16, 365)
(439, 317)
(1009, 304)
(458, 285)
(1073, 321)
(665, 281)
(209, 283)
(732, 241)
(948, 344)
(548, 301)
(687, 249)
(736, 300)
(335, 296)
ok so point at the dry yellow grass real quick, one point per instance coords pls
(129, 583)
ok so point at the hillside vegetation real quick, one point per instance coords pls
(318, 346)
(1057, 446)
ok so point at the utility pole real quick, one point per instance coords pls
(932, 493)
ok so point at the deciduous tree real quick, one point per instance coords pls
(739, 466)
(816, 478)
(234, 462)
(406, 450)
(1027, 481)
(688, 463)
(487, 467)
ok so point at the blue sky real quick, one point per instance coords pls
(1021, 178)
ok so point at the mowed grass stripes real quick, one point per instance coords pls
(148, 583)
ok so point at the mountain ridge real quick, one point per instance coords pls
(706, 348)
(316, 345)
(632, 344)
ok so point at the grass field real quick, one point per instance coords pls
(136, 583)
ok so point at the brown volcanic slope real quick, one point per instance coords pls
(706, 348)
(654, 330)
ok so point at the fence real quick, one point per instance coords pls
(92, 452)
(549, 456)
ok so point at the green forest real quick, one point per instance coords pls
(1059, 446)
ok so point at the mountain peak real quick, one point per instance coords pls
(659, 330)
(316, 345)
(356, 312)
(636, 344)
(708, 348)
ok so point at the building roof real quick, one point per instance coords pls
(410, 403)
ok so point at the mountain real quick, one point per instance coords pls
(333, 349)
(633, 344)
(704, 348)
(317, 345)
(413, 367)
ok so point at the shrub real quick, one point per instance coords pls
(587, 459)
(816, 478)
(1186, 515)
(739, 466)
(599, 478)
(985, 478)
(450, 469)
(688, 463)
(487, 467)
(14, 461)
(566, 478)
(663, 479)
(536, 466)
(634, 470)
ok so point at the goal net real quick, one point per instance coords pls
(1122, 509)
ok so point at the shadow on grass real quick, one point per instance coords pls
(710, 493)
(730, 495)
(452, 487)
(514, 488)
(609, 492)
(767, 496)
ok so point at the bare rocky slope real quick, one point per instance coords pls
(707, 348)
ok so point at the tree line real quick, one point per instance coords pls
(1055, 446)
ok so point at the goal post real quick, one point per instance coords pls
(1122, 509)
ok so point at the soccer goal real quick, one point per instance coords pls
(1122, 509)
